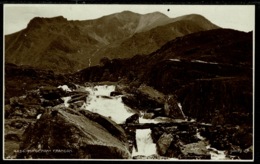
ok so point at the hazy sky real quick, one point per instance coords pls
(239, 17)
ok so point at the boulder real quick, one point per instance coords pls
(157, 131)
(18, 124)
(51, 103)
(108, 124)
(148, 115)
(247, 153)
(115, 93)
(51, 92)
(7, 110)
(16, 101)
(153, 156)
(195, 151)
(164, 143)
(67, 134)
(131, 131)
(77, 104)
(25, 112)
(78, 97)
(172, 109)
(132, 119)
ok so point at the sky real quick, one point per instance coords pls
(239, 17)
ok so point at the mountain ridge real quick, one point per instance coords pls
(67, 46)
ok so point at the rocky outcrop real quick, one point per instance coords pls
(143, 98)
(69, 134)
(172, 109)
(195, 151)
(164, 143)
(131, 131)
(174, 142)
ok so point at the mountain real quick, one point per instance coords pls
(208, 72)
(65, 46)
(205, 76)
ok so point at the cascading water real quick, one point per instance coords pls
(100, 101)
(145, 143)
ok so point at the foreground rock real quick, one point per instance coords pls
(67, 134)
(195, 151)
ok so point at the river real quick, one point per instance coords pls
(100, 101)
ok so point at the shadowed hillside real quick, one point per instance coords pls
(67, 46)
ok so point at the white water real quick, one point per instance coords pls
(217, 154)
(179, 104)
(175, 60)
(145, 143)
(65, 88)
(201, 61)
(99, 101)
(66, 99)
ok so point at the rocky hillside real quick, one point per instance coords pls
(206, 71)
(203, 78)
(67, 46)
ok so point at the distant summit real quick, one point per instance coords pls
(65, 46)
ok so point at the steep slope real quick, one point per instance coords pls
(210, 73)
(149, 41)
(68, 46)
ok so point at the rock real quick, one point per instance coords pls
(16, 101)
(157, 131)
(18, 124)
(69, 134)
(108, 124)
(247, 153)
(132, 119)
(106, 97)
(148, 115)
(164, 143)
(153, 156)
(77, 104)
(131, 101)
(152, 93)
(114, 93)
(78, 97)
(171, 108)
(195, 151)
(13, 137)
(235, 150)
(8, 110)
(143, 98)
(51, 92)
(52, 103)
(204, 96)
(156, 112)
(225, 137)
(131, 131)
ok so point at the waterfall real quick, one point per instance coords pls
(66, 99)
(179, 104)
(145, 143)
(99, 101)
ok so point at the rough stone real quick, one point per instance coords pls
(195, 151)
(74, 135)
(164, 143)
(171, 108)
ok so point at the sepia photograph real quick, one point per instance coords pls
(141, 82)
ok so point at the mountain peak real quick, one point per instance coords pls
(157, 14)
(38, 21)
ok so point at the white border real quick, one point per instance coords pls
(253, 94)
